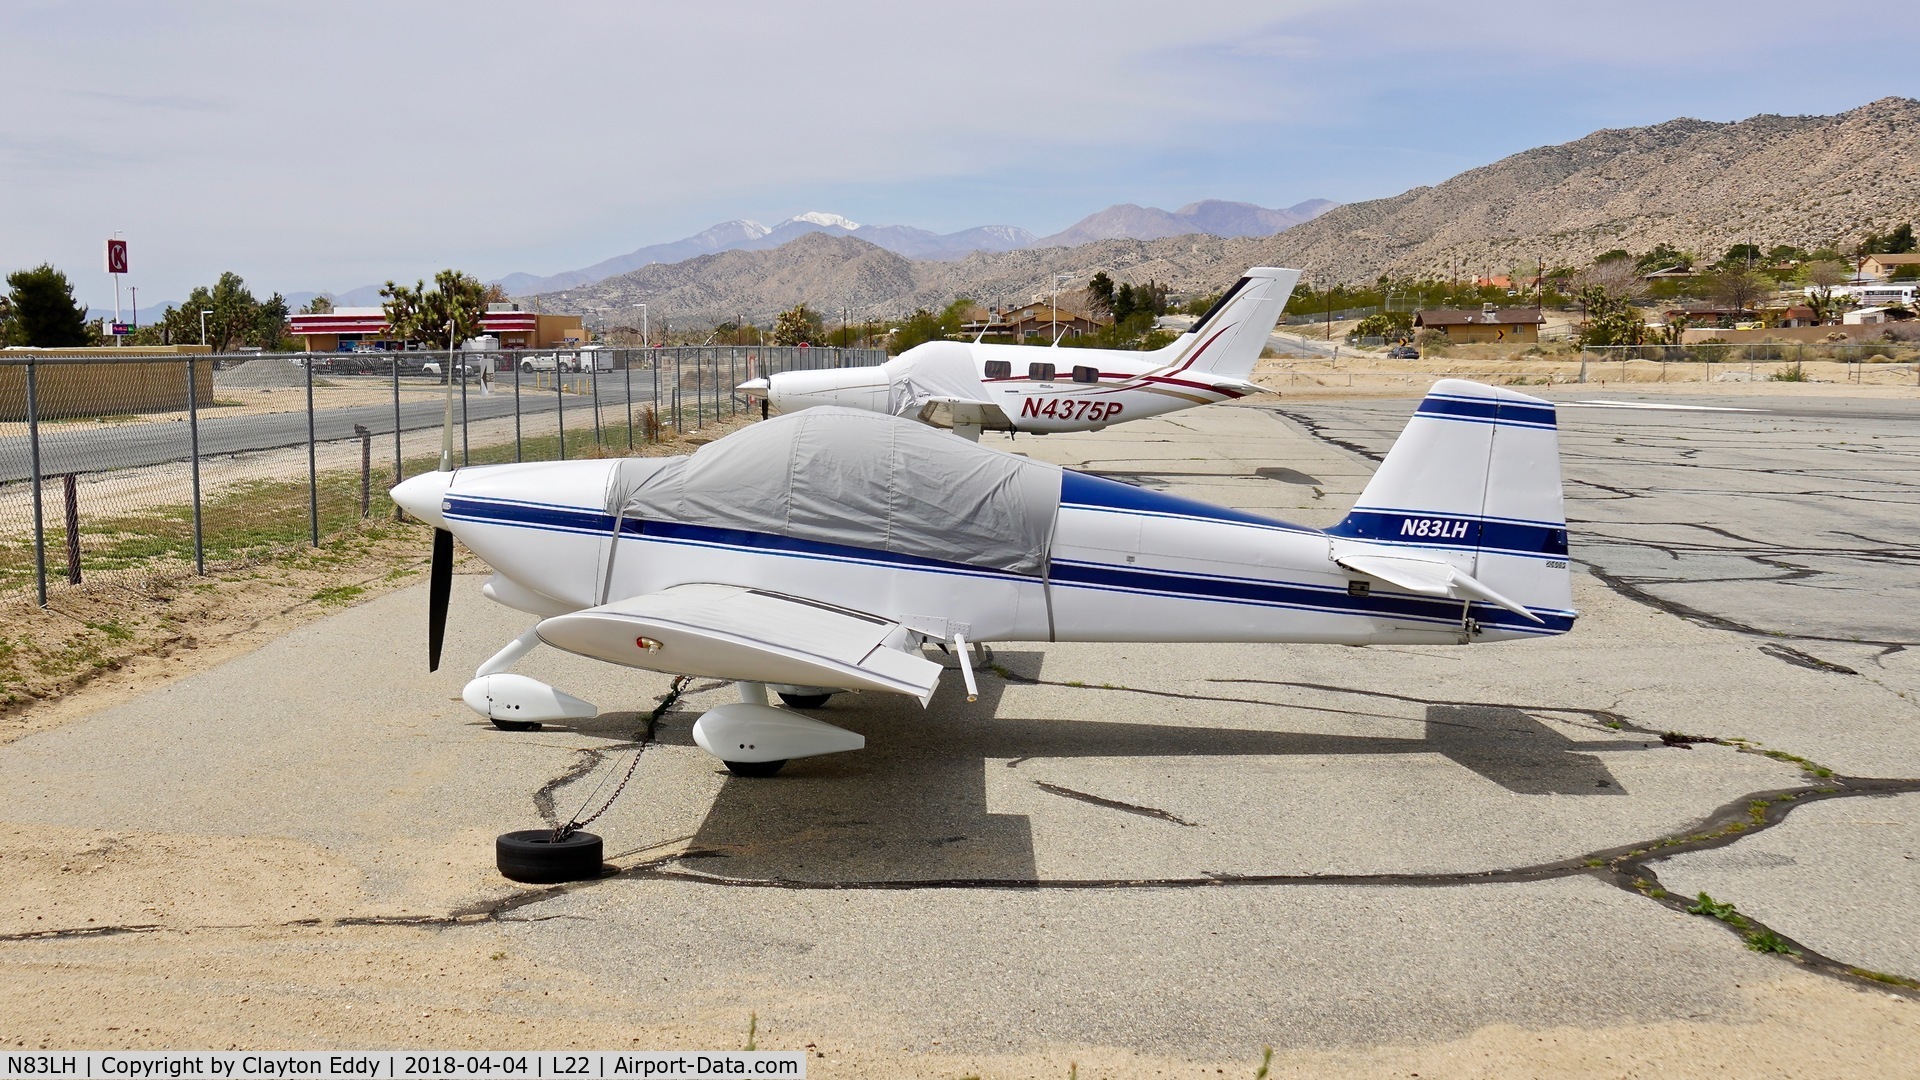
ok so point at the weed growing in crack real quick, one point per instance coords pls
(1714, 909)
(753, 1028)
(1883, 977)
(1767, 941)
(1266, 1063)
(1811, 768)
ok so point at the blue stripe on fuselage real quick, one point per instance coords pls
(1290, 594)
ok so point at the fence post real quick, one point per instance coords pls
(593, 387)
(560, 406)
(366, 467)
(71, 488)
(515, 362)
(313, 468)
(39, 516)
(398, 514)
(653, 363)
(193, 456)
(678, 374)
(626, 365)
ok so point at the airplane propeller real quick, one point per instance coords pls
(439, 590)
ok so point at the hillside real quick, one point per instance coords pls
(1810, 181)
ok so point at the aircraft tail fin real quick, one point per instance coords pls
(1229, 338)
(1469, 502)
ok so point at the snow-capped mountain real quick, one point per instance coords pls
(1210, 216)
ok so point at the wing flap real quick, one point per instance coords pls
(739, 634)
(1427, 577)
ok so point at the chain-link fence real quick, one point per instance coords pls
(1882, 362)
(120, 468)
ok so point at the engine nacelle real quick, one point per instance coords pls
(743, 732)
(515, 697)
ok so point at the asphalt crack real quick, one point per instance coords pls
(1113, 804)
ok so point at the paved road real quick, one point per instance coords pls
(1146, 857)
(91, 448)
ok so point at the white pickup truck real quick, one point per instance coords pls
(585, 358)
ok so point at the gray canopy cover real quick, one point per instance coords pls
(934, 372)
(845, 476)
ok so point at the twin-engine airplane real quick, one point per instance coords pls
(970, 388)
(820, 551)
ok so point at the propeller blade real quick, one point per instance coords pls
(439, 590)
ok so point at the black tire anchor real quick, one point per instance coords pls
(565, 853)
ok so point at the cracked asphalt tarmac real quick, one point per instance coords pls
(1183, 852)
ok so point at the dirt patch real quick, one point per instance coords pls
(1374, 376)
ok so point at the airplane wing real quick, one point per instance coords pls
(1428, 577)
(944, 412)
(740, 634)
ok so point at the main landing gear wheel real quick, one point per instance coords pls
(755, 768)
(804, 701)
(533, 856)
(517, 725)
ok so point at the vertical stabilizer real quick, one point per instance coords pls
(1474, 482)
(1229, 338)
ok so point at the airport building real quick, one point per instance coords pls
(363, 329)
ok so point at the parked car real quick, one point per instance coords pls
(434, 369)
(1403, 352)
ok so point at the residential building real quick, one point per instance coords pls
(1884, 266)
(1036, 320)
(1487, 324)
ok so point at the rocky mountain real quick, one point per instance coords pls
(1809, 181)
(817, 268)
(830, 272)
(1127, 221)
(1214, 217)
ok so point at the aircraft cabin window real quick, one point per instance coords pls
(999, 369)
(1082, 373)
(1040, 372)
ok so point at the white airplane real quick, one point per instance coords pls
(820, 551)
(973, 387)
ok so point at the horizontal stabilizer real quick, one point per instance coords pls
(1238, 386)
(728, 632)
(1427, 577)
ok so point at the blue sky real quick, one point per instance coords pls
(330, 146)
